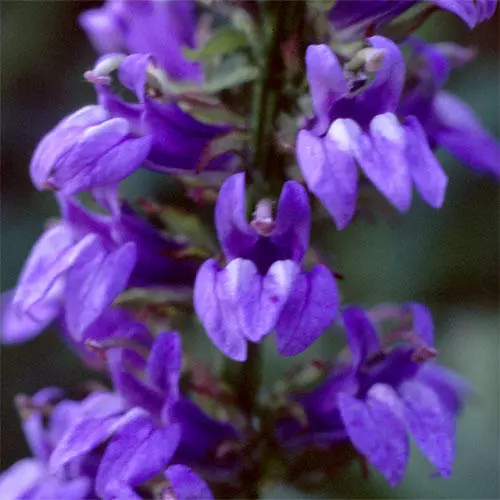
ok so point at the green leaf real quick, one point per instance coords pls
(211, 113)
(223, 80)
(183, 223)
(222, 42)
(140, 297)
(230, 79)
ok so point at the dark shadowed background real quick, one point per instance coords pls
(447, 259)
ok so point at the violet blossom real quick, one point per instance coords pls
(448, 121)
(381, 395)
(150, 423)
(162, 29)
(81, 264)
(31, 478)
(361, 127)
(263, 287)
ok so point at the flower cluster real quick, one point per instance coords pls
(217, 110)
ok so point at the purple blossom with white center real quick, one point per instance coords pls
(447, 121)
(31, 478)
(363, 128)
(162, 29)
(263, 286)
(356, 16)
(380, 396)
(81, 264)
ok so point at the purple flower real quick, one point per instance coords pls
(360, 126)
(380, 396)
(156, 391)
(31, 478)
(177, 138)
(162, 29)
(58, 276)
(356, 16)
(139, 452)
(81, 264)
(263, 286)
(87, 149)
(447, 121)
(150, 424)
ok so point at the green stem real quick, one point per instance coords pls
(266, 91)
(250, 378)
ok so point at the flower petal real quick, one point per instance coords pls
(20, 478)
(311, 307)
(43, 265)
(137, 453)
(459, 131)
(53, 487)
(383, 93)
(329, 169)
(133, 73)
(239, 288)
(178, 138)
(94, 281)
(186, 484)
(104, 154)
(19, 327)
(125, 364)
(58, 143)
(423, 326)
(250, 303)
(425, 169)
(431, 423)
(221, 323)
(326, 80)
(382, 158)
(133, 389)
(357, 15)
(275, 289)
(165, 364)
(378, 433)
(99, 417)
(361, 335)
(452, 389)
(235, 235)
(293, 220)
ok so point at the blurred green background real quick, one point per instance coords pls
(447, 259)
